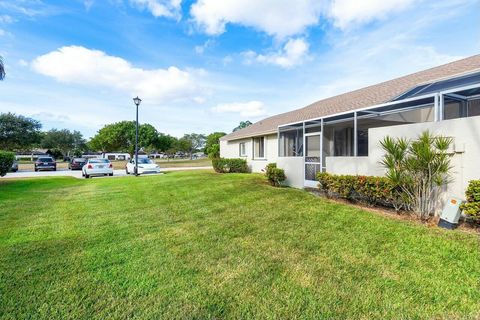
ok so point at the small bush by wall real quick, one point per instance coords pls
(224, 165)
(6, 161)
(472, 207)
(274, 175)
(367, 189)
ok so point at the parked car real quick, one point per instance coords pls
(145, 165)
(97, 167)
(77, 163)
(179, 155)
(14, 167)
(45, 163)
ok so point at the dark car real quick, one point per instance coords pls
(45, 163)
(77, 163)
(14, 167)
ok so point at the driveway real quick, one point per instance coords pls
(78, 173)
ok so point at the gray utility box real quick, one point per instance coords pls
(450, 214)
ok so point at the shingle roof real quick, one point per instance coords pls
(361, 98)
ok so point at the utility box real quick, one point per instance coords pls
(450, 214)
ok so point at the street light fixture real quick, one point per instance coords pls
(137, 102)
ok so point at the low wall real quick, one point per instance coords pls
(293, 167)
(352, 165)
(465, 151)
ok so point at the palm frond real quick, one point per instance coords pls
(2, 69)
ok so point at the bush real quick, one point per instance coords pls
(420, 168)
(472, 207)
(274, 175)
(367, 189)
(224, 165)
(6, 161)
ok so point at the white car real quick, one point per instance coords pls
(145, 165)
(97, 167)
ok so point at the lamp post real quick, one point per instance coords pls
(137, 101)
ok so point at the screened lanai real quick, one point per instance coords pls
(346, 134)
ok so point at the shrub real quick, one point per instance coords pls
(224, 165)
(274, 175)
(472, 207)
(419, 167)
(367, 189)
(6, 161)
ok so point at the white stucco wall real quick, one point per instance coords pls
(294, 170)
(465, 151)
(231, 149)
(350, 165)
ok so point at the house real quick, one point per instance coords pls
(31, 155)
(341, 134)
(121, 156)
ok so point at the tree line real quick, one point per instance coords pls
(22, 134)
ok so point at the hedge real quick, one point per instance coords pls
(472, 207)
(274, 175)
(225, 165)
(367, 189)
(6, 161)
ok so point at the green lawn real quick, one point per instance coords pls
(196, 245)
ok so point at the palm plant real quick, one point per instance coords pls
(2, 69)
(420, 169)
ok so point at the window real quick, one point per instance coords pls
(343, 142)
(291, 143)
(242, 151)
(259, 147)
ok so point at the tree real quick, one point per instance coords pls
(243, 124)
(420, 168)
(64, 140)
(2, 69)
(120, 136)
(193, 142)
(164, 142)
(6, 161)
(18, 133)
(212, 144)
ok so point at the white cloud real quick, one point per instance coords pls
(207, 44)
(280, 18)
(22, 63)
(5, 19)
(351, 12)
(88, 4)
(245, 109)
(227, 60)
(161, 8)
(293, 53)
(79, 65)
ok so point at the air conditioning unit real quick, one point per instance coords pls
(450, 214)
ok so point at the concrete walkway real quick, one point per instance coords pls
(78, 173)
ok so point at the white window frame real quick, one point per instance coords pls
(244, 153)
(254, 157)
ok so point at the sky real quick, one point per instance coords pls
(205, 65)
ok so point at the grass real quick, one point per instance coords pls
(172, 163)
(199, 245)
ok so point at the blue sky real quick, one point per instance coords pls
(205, 65)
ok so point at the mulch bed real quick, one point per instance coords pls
(463, 225)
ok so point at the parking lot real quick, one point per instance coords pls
(78, 173)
